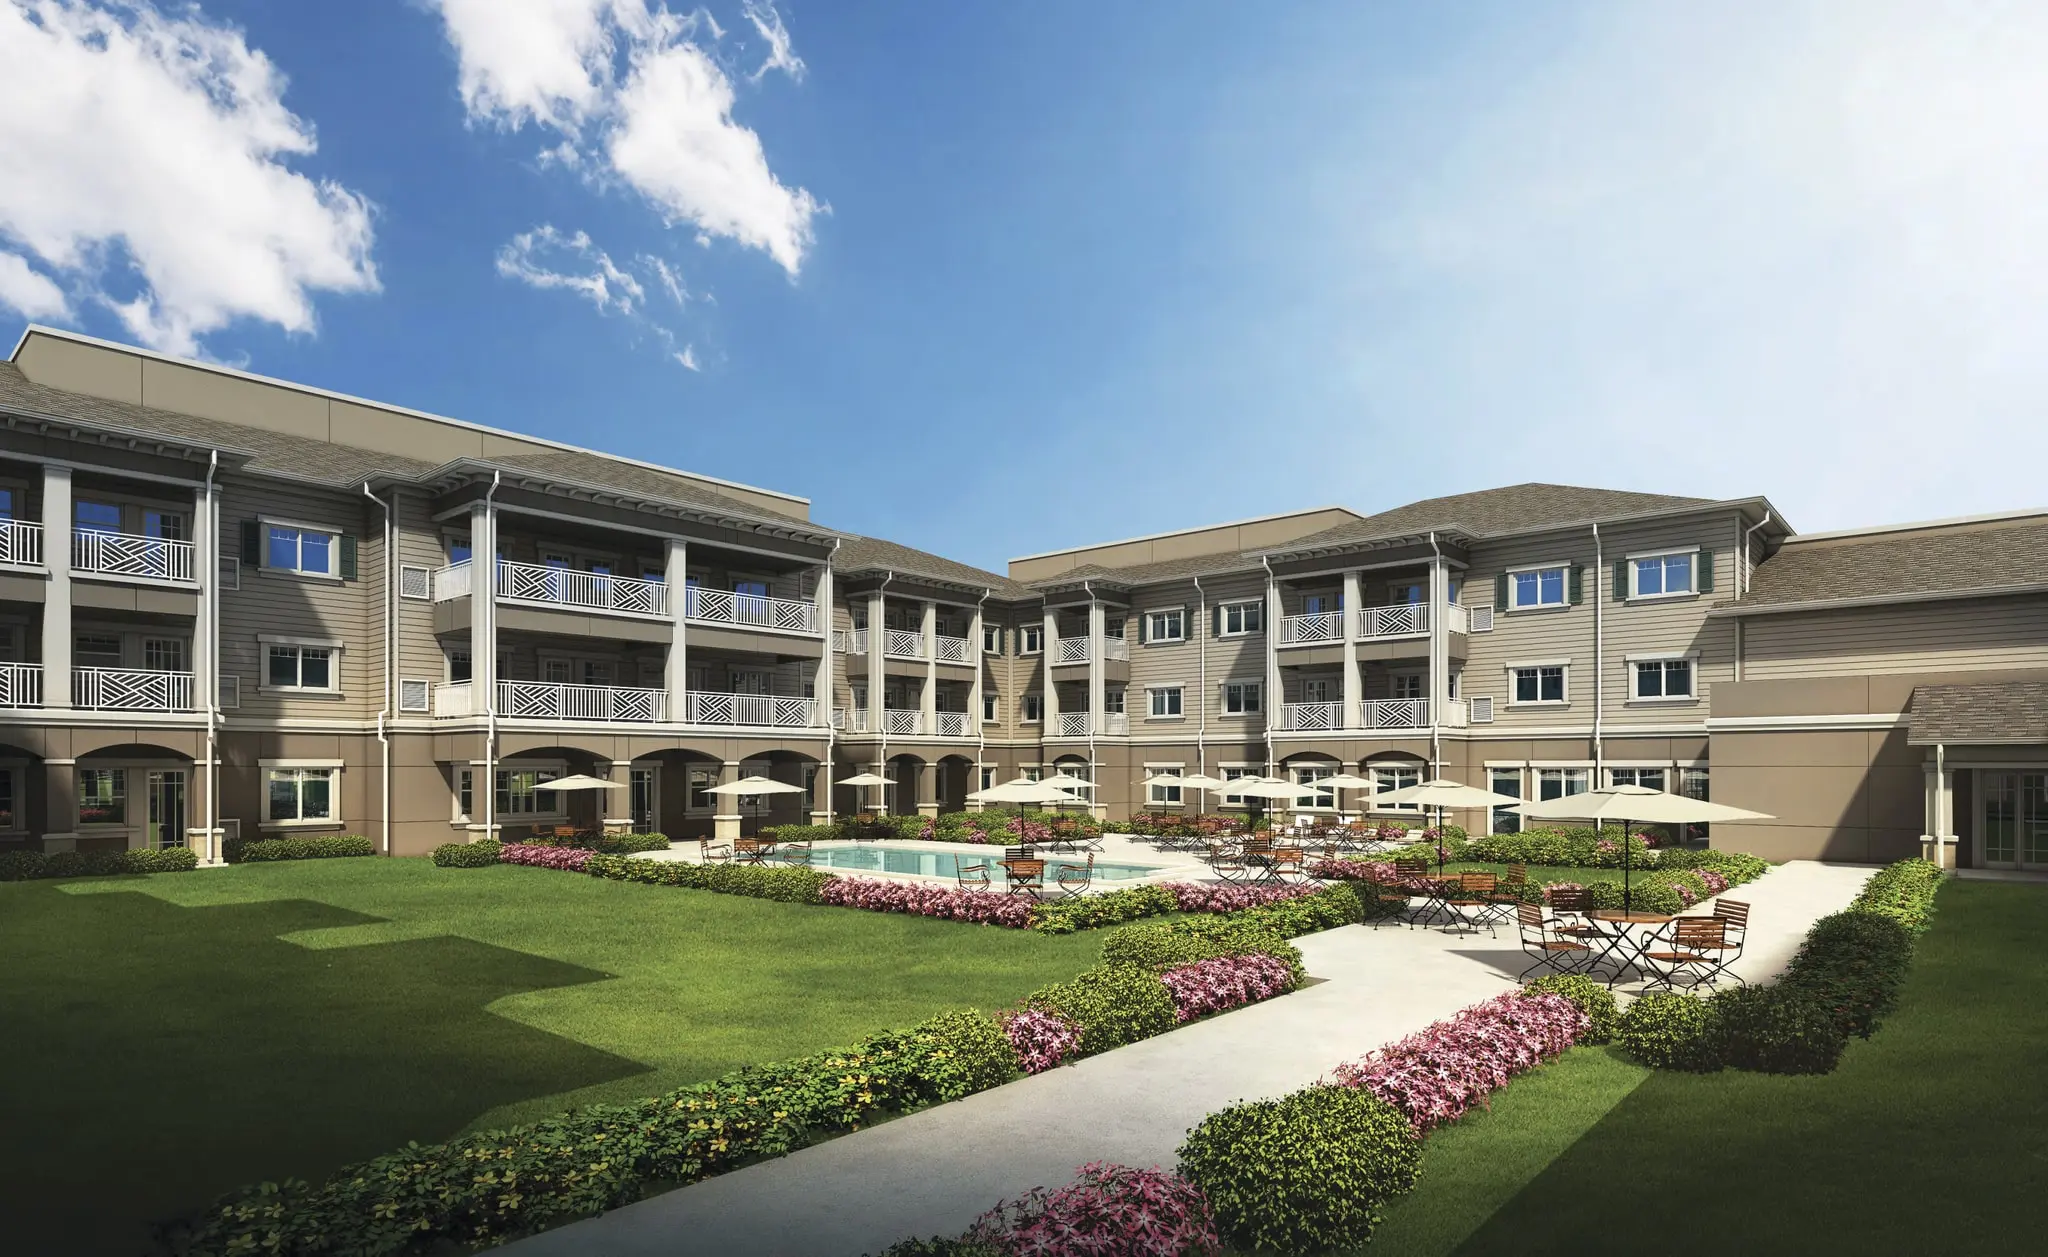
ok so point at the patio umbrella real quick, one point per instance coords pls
(1440, 794)
(1066, 783)
(580, 781)
(756, 785)
(1264, 788)
(861, 780)
(1628, 805)
(1022, 790)
(1204, 783)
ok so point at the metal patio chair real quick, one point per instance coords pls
(1552, 951)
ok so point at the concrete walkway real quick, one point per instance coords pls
(935, 1171)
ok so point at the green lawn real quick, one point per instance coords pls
(1931, 1137)
(172, 1037)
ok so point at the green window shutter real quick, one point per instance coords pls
(1706, 571)
(1144, 628)
(252, 543)
(1621, 581)
(1500, 592)
(1216, 620)
(1578, 583)
(348, 557)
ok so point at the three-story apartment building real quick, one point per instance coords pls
(233, 605)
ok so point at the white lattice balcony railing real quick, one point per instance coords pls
(21, 685)
(1316, 626)
(454, 699)
(903, 643)
(452, 582)
(129, 689)
(21, 542)
(902, 720)
(850, 721)
(1312, 717)
(953, 724)
(593, 591)
(952, 649)
(1070, 650)
(548, 700)
(1403, 619)
(1117, 724)
(127, 554)
(701, 707)
(1396, 713)
(1116, 648)
(718, 606)
(1074, 724)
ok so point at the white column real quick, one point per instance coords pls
(975, 695)
(821, 712)
(928, 702)
(725, 822)
(206, 568)
(676, 671)
(1439, 682)
(57, 598)
(1098, 676)
(483, 605)
(1269, 699)
(1354, 691)
(878, 676)
(1052, 691)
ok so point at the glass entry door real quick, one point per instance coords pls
(646, 801)
(2013, 820)
(166, 808)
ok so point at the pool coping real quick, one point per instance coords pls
(1182, 872)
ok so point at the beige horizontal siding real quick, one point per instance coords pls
(1926, 637)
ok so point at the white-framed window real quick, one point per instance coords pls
(299, 795)
(1031, 639)
(1535, 684)
(991, 639)
(1387, 778)
(1166, 626)
(290, 666)
(1538, 587)
(298, 548)
(988, 777)
(1647, 778)
(1031, 772)
(230, 571)
(519, 792)
(1662, 575)
(1507, 781)
(1315, 690)
(1241, 698)
(1034, 708)
(102, 796)
(1240, 619)
(1405, 685)
(1560, 783)
(10, 818)
(458, 665)
(1162, 795)
(96, 650)
(1314, 798)
(1235, 772)
(163, 654)
(1163, 702)
(1113, 700)
(988, 707)
(1663, 679)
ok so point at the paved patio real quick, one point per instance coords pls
(934, 1172)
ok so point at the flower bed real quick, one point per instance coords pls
(1212, 986)
(981, 907)
(567, 859)
(1107, 1211)
(1041, 1039)
(1223, 897)
(1433, 1076)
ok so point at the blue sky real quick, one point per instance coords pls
(1001, 278)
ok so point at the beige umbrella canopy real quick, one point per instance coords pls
(1203, 781)
(580, 781)
(1638, 805)
(1441, 793)
(1065, 781)
(1345, 781)
(756, 785)
(1267, 788)
(1022, 790)
(1164, 779)
(866, 779)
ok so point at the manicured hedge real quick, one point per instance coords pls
(1111, 1005)
(324, 847)
(1592, 997)
(468, 855)
(1167, 944)
(1670, 1030)
(1852, 964)
(785, 884)
(25, 866)
(1114, 907)
(609, 844)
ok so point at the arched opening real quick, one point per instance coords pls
(139, 794)
(792, 768)
(23, 789)
(955, 780)
(905, 774)
(1305, 769)
(1077, 766)
(1394, 770)
(673, 787)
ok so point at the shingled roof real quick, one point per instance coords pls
(1492, 512)
(1998, 712)
(1945, 561)
(857, 553)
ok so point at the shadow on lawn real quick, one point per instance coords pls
(159, 1056)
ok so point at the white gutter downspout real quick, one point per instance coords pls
(1939, 820)
(384, 711)
(825, 700)
(1202, 696)
(1265, 601)
(213, 843)
(1436, 736)
(877, 710)
(980, 668)
(489, 591)
(1744, 572)
(1599, 660)
(1093, 770)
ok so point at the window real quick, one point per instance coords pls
(595, 673)
(1539, 587)
(302, 550)
(1031, 772)
(1241, 698)
(96, 650)
(96, 516)
(700, 797)
(1166, 626)
(1560, 783)
(1410, 592)
(1406, 684)
(1317, 797)
(1692, 783)
(1162, 795)
(1163, 703)
(458, 550)
(465, 792)
(1034, 708)
(1506, 781)
(988, 778)
(165, 525)
(1661, 575)
(556, 671)
(1647, 778)
(988, 709)
(1543, 683)
(1318, 604)
(300, 794)
(163, 654)
(519, 792)
(1031, 639)
(1390, 777)
(301, 668)
(1663, 678)
(102, 796)
(7, 798)
(992, 639)
(1240, 619)
(458, 664)
(1236, 774)
(230, 693)
(1113, 700)
(1315, 690)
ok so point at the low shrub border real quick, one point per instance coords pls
(324, 847)
(28, 866)
(468, 855)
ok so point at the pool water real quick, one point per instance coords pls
(873, 857)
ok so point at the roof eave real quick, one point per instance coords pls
(1743, 608)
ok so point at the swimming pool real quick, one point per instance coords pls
(883, 857)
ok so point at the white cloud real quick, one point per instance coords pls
(668, 276)
(688, 358)
(635, 96)
(527, 257)
(32, 294)
(147, 153)
(781, 55)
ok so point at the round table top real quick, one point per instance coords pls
(1629, 918)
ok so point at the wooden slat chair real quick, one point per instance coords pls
(1571, 905)
(748, 850)
(1472, 898)
(1227, 862)
(1285, 860)
(717, 853)
(1386, 900)
(1733, 915)
(1508, 893)
(1551, 950)
(1693, 949)
(1026, 875)
(972, 876)
(798, 853)
(1072, 881)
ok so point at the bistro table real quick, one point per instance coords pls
(1630, 936)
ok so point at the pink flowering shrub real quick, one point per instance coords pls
(1107, 1211)
(567, 859)
(1715, 882)
(1435, 1075)
(1222, 897)
(1556, 886)
(1041, 1039)
(1353, 870)
(980, 907)
(1210, 986)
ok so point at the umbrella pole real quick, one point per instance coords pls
(1626, 904)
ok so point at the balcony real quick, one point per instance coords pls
(782, 615)
(1117, 648)
(21, 685)
(21, 543)
(129, 689)
(1070, 650)
(585, 591)
(902, 644)
(96, 553)
(854, 721)
(757, 710)
(1316, 626)
(902, 720)
(1396, 713)
(952, 649)
(1311, 717)
(953, 724)
(850, 641)
(1403, 619)
(546, 700)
